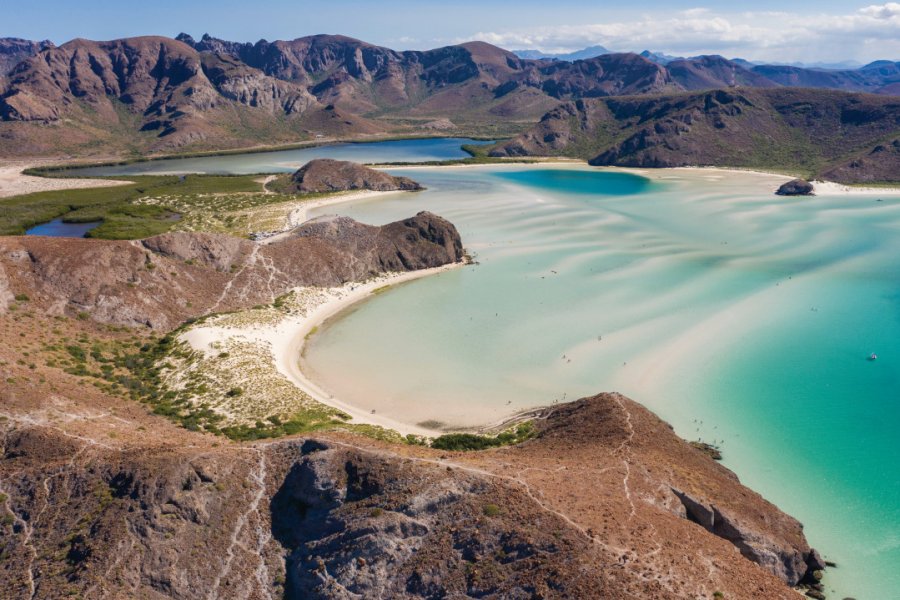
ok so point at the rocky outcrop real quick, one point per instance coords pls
(796, 187)
(328, 175)
(584, 510)
(162, 281)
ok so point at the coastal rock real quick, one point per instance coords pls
(796, 187)
(316, 517)
(328, 175)
(161, 281)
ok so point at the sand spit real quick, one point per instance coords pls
(13, 182)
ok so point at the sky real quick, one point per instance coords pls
(764, 30)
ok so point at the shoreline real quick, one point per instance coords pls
(15, 182)
(286, 339)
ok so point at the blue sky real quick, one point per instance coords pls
(825, 30)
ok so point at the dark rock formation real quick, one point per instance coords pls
(796, 187)
(327, 175)
(161, 281)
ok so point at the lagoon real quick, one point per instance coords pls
(742, 318)
(286, 161)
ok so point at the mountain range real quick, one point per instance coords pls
(851, 138)
(157, 94)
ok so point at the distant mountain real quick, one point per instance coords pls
(157, 93)
(710, 72)
(585, 53)
(851, 138)
(15, 50)
(659, 57)
(877, 77)
(160, 94)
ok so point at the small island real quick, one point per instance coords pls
(325, 175)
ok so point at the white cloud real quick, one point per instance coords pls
(891, 10)
(871, 32)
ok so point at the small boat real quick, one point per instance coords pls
(873, 356)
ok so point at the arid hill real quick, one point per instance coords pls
(161, 281)
(605, 503)
(328, 175)
(845, 137)
(160, 95)
(15, 50)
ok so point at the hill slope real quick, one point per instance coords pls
(848, 137)
(154, 93)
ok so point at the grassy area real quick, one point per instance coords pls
(148, 206)
(469, 441)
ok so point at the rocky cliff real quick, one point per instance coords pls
(328, 175)
(605, 502)
(161, 281)
(846, 137)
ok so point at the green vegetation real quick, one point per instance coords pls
(491, 510)
(470, 441)
(148, 206)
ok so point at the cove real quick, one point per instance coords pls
(742, 318)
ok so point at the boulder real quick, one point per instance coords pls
(796, 187)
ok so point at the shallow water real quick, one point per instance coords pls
(58, 228)
(285, 161)
(738, 316)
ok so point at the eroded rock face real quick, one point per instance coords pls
(585, 510)
(328, 175)
(796, 187)
(161, 281)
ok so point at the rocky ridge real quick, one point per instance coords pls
(338, 516)
(845, 137)
(161, 281)
(163, 94)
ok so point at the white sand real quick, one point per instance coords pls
(285, 340)
(13, 182)
(829, 188)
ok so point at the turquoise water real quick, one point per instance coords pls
(283, 161)
(738, 316)
(57, 228)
